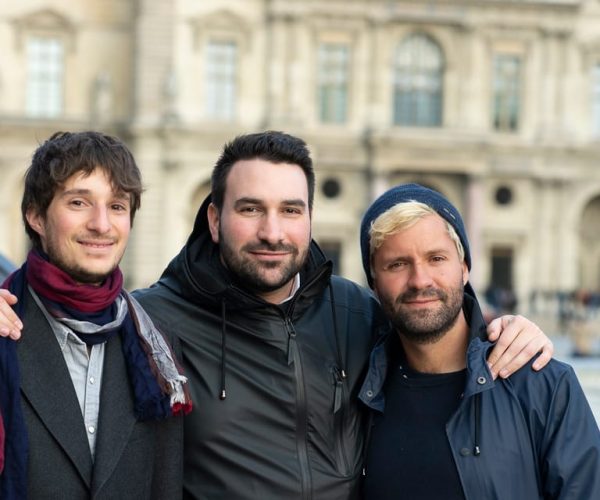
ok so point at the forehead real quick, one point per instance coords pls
(97, 181)
(262, 179)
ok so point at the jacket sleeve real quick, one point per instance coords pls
(167, 478)
(570, 446)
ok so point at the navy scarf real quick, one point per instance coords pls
(13, 479)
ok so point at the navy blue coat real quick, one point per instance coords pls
(537, 435)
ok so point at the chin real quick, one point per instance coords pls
(92, 275)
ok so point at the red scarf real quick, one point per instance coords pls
(55, 285)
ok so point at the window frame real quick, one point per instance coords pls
(418, 82)
(507, 98)
(333, 81)
(46, 64)
(221, 70)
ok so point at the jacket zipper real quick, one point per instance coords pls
(301, 411)
(339, 404)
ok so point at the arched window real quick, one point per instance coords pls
(418, 75)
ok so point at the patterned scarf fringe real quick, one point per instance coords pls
(163, 362)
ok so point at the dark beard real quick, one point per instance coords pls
(247, 273)
(426, 327)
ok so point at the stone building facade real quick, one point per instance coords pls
(494, 103)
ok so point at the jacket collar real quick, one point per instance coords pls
(388, 348)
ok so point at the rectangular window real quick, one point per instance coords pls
(45, 69)
(333, 69)
(418, 82)
(221, 79)
(596, 100)
(507, 90)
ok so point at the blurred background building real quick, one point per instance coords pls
(494, 103)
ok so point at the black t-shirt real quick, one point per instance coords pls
(409, 456)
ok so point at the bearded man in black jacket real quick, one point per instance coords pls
(275, 347)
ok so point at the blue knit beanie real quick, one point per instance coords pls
(402, 194)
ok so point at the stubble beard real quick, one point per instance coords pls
(79, 273)
(425, 326)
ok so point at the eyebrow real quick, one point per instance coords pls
(297, 202)
(122, 195)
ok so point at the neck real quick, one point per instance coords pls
(446, 355)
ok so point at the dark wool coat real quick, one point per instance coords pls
(134, 460)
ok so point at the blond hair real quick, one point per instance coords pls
(403, 216)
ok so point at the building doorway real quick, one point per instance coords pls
(500, 294)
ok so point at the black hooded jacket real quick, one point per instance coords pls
(290, 426)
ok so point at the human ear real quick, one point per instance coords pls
(36, 221)
(213, 222)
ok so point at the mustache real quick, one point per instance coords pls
(94, 238)
(416, 294)
(266, 247)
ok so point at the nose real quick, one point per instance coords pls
(270, 229)
(99, 220)
(420, 277)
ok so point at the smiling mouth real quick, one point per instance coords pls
(421, 302)
(97, 244)
(269, 255)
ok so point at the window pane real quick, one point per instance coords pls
(45, 68)
(507, 80)
(418, 73)
(333, 82)
(596, 100)
(221, 78)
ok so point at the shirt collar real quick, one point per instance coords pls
(63, 333)
(295, 288)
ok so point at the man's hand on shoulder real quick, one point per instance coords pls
(518, 340)
(10, 324)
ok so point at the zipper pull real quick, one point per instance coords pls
(337, 393)
(292, 347)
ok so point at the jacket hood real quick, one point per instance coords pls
(198, 274)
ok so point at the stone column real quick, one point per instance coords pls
(473, 216)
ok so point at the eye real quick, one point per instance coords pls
(292, 211)
(77, 203)
(396, 265)
(249, 210)
(119, 207)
